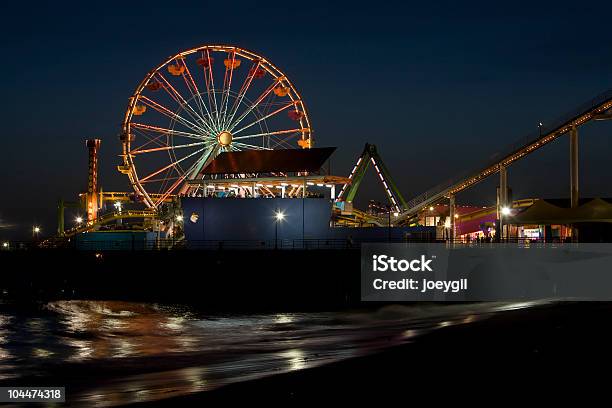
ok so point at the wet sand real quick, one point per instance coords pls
(549, 351)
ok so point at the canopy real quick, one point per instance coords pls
(543, 212)
(267, 161)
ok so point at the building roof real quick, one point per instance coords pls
(266, 161)
(545, 212)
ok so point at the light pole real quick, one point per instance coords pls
(279, 216)
(35, 232)
(540, 124)
(505, 211)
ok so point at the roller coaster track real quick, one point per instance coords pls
(595, 109)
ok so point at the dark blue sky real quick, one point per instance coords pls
(438, 87)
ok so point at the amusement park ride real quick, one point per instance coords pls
(345, 213)
(205, 121)
(197, 108)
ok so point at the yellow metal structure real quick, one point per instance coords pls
(108, 218)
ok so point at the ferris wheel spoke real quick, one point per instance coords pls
(281, 143)
(171, 165)
(178, 181)
(179, 98)
(293, 103)
(191, 86)
(250, 146)
(227, 86)
(278, 132)
(182, 102)
(170, 190)
(165, 179)
(195, 92)
(210, 87)
(261, 97)
(273, 102)
(151, 140)
(174, 147)
(171, 132)
(241, 94)
(175, 116)
(195, 170)
(160, 180)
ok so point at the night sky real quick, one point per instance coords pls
(438, 88)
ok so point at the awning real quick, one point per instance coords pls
(543, 212)
(266, 161)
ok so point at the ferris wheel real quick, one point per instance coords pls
(199, 103)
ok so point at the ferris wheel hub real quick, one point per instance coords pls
(225, 138)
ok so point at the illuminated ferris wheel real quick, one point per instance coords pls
(199, 103)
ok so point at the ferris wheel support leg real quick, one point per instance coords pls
(201, 165)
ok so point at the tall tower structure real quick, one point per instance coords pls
(91, 199)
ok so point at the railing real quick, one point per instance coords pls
(510, 240)
(214, 245)
(281, 244)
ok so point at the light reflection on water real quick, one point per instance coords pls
(112, 353)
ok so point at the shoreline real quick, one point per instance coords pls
(516, 349)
